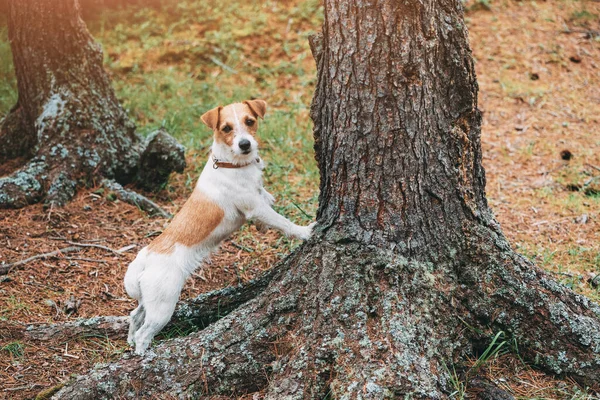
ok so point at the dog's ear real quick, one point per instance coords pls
(258, 107)
(211, 118)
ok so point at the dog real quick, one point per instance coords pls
(228, 193)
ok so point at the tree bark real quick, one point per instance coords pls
(408, 273)
(67, 121)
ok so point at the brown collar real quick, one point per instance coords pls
(223, 164)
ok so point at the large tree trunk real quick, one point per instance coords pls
(408, 273)
(67, 121)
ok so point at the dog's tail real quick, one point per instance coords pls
(132, 276)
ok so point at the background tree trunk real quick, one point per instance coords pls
(67, 122)
(408, 273)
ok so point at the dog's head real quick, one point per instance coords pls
(234, 128)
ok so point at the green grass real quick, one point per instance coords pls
(13, 305)
(15, 349)
(583, 17)
(8, 82)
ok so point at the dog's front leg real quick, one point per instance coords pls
(270, 200)
(268, 197)
(265, 215)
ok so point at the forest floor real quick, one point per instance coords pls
(538, 66)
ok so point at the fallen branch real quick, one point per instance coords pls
(92, 260)
(98, 246)
(98, 326)
(131, 197)
(5, 269)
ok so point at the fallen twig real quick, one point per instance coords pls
(99, 246)
(127, 248)
(134, 198)
(5, 269)
(84, 259)
(593, 166)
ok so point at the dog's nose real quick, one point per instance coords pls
(244, 144)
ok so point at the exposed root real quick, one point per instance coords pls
(161, 156)
(554, 328)
(25, 186)
(210, 307)
(102, 326)
(484, 389)
(61, 191)
(353, 321)
(134, 198)
(231, 356)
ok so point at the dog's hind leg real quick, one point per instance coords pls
(136, 319)
(158, 315)
(160, 292)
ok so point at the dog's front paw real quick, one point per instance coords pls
(268, 197)
(262, 228)
(305, 232)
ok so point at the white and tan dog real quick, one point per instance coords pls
(229, 192)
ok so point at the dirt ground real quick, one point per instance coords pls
(538, 66)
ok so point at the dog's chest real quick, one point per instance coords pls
(232, 186)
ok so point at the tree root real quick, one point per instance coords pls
(115, 327)
(25, 186)
(161, 156)
(487, 390)
(61, 190)
(138, 200)
(231, 356)
(555, 329)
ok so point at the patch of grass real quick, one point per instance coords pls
(8, 81)
(99, 347)
(583, 17)
(527, 90)
(15, 349)
(459, 386)
(13, 305)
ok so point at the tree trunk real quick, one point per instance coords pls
(67, 122)
(408, 273)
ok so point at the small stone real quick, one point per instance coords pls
(575, 59)
(582, 219)
(87, 208)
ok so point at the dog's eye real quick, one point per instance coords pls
(249, 122)
(227, 129)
